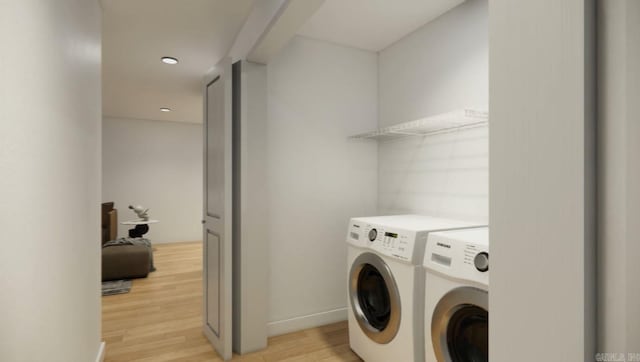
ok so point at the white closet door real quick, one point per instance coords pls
(217, 218)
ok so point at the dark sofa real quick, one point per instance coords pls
(121, 261)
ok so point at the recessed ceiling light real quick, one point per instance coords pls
(164, 109)
(169, 60)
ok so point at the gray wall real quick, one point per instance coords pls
(318, 95)
(50, 114)
(542, 193)
(619, 176)
(156, 164)
(441, 67)
(250, 247)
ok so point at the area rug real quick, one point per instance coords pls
(116, 287)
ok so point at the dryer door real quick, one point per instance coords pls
(460, 326)
(374, 298)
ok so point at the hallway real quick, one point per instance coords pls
(160, 319)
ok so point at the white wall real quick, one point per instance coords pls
(158, 165)
(619, 176)
(50, 110)
(318, 95)
(441, 67)
(542, 181)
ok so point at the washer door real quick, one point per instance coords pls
(374, 296)
(460, 326)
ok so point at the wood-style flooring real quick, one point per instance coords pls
(160, 319)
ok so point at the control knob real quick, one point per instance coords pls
(481, 261)
(373, 234)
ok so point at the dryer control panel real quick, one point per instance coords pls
(459, 254)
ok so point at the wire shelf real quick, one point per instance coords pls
(441, 123)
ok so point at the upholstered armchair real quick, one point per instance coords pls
(109, 222)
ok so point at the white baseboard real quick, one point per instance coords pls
(307, 321)
(100, 356)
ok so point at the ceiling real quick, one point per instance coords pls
(372, 24)
(137, 33)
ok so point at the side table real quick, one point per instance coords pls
(141, 227)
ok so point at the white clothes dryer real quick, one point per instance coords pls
(386, 285)
(456, 327)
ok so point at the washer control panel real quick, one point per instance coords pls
(392, 242)
(461, 254)
(383, 239)
(373, 234)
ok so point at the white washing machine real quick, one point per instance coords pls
(457, 296)
(386, 283)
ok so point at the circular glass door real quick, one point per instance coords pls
(374, 297)
(468, 334)
(460, 326)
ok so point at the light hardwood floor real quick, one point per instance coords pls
(161, 319)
